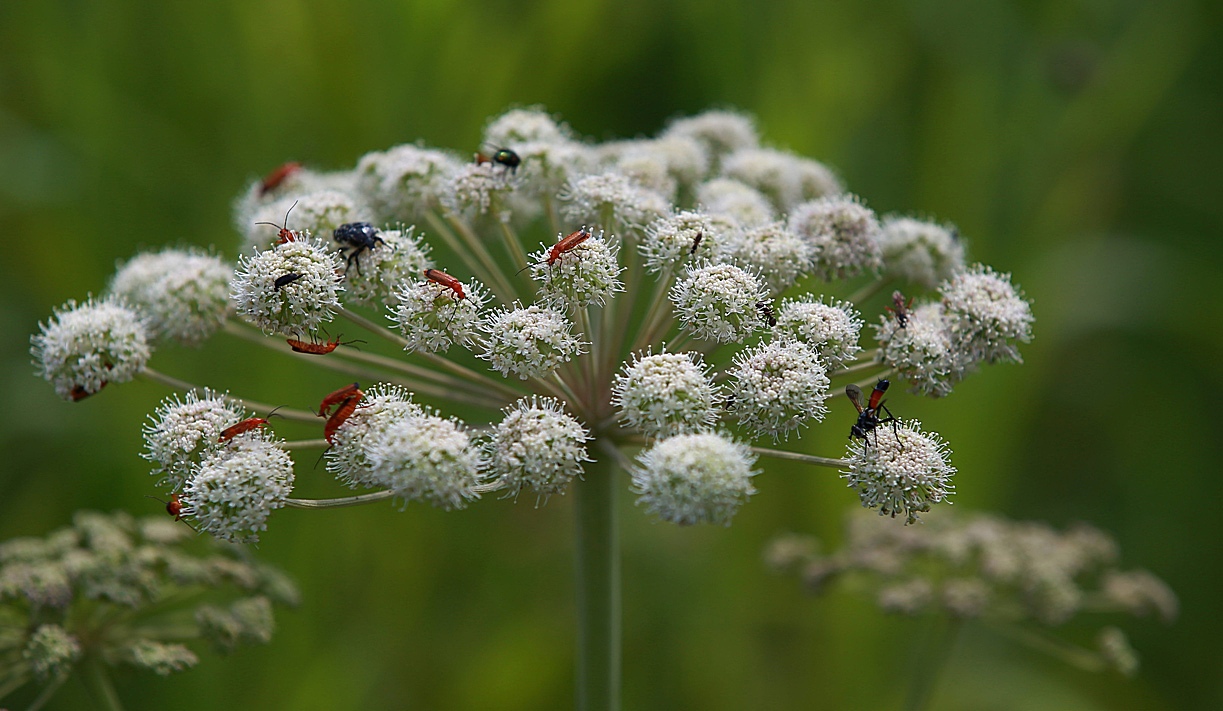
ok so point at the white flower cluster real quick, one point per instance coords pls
(667, 304)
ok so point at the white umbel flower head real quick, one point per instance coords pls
(432, 317)
(547, 166)
(529, 342)
(921, 351)
(406, 181)
(900, 472)
(719, 302)
(843, 233)
(612, 201)
(666, 394)
(401, 257)
(538, 446)
(587, 274)
(785, 178)
(723, 196)
(649, 171)
(921, 253)
(673, 239)
(382, 405)
(183, 295)
(685, 158)
(478, 188)
(318, 213)
(85, 346)
(694, 478)
(831, 328)
(779, 387)
(986, 314)
(525, 125)
(237, 487)
(51, 651)
(298, 307)
(771, 249)
(425, 458)
(180, 433)
(720, 132)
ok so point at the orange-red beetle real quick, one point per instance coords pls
(246, 425)
(278, 176)
(342, 413)
(337, 398)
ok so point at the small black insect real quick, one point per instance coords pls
(696, 242)
(357, 237)
(901, 308)
(868, 415)
(766, 310)
(286, 280)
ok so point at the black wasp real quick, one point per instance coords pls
(357, 236)
(868, 415)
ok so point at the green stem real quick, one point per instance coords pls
(341, 502)
(47, 692)
(287, 413)
(930, 658)
(100, 684)
(498, 281)
(598, 588)
(868, 290)
(856, 368)
(307, 443)
(800, 457)
(870, 382)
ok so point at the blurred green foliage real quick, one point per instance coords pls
(1075, 143)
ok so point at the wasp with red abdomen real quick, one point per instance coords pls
(246, 425)
(278, 176)
(337, 397)
(901, 308)
(868, 415)
(285, 234)
(318, 348)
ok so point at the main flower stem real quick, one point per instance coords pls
(598, 589)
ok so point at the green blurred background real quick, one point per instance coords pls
(1076, 144)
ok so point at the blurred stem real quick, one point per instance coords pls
(306, 443)
(1075, 656)
(514, 246)
(341, 502)
(467, 255)
(100, 684)
(598, 587)
(868, 290)
(800, 457)
(497, 279)
(47, 692)
(870, 382)
(288, 413)
(857, 368)
(930, 658)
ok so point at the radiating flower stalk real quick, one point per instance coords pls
(112, 591)
(1021, 579)
(668, 308)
